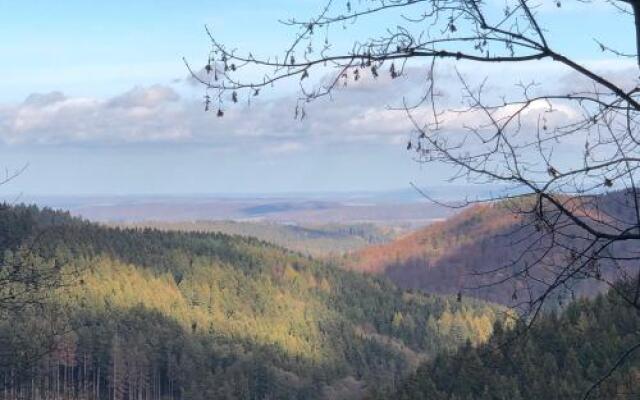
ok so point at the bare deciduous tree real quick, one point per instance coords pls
(31, 322)
(558, 149)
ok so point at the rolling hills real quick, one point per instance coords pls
(192, 315)
(318, 240)
(474, 252)
(404, 208)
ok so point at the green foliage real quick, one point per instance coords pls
(194, 315)
(318, 240)
(560, 357)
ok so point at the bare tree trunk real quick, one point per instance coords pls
(98, 383)
(636, 11)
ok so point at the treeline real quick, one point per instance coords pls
(588, 349)
(146, 315)
(318, 240)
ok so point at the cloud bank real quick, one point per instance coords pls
(159, 114)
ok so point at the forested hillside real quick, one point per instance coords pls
(563, 356)
(457, 254)
(442, 257)
(318, 240)
(149, 314)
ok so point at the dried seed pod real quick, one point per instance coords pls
(392, 71)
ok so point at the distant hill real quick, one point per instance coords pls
(318, 240)
(386, 208)
(198, 316)
(303, 209)
(452, 256)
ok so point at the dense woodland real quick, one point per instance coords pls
(561, 357)
(318, 240)
(455, 255)
(147, 314)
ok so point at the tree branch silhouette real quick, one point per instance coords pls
(568, 156)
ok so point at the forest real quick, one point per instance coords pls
(584, 352)
(459, 253)
(150, 314)
(318, 240)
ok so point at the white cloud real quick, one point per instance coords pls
(136, 116)
(159, 114)
(144, 97)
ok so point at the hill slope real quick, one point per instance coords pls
(486, 243)
(561, 357)
(198, 316)
(441, 257)
(318, 240)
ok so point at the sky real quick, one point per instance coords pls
(95, 99)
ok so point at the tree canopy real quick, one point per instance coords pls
(176, 315)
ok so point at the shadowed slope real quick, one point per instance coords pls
(476, 252)
(256, 320)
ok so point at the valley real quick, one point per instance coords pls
(320, 200)
(318, 240)
(260, 309)
(194, 315)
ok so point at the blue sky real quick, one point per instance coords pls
(105, 60)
